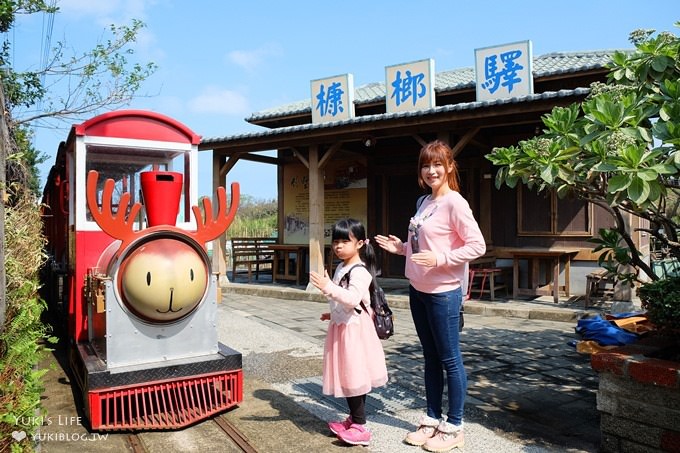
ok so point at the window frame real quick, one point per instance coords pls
(554, 216)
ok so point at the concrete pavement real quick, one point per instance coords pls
(528, 390)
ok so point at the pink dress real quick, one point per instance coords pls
(353, 360)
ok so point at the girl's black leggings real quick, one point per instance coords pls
(357, 409)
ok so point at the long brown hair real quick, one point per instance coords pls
(438, 151)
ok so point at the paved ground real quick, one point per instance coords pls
(529, 391)
(528, 388)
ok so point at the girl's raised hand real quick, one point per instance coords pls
(318, 280)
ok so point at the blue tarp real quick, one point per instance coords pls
(604, 332)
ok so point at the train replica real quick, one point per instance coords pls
(129, 280)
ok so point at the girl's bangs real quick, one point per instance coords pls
(341, 231)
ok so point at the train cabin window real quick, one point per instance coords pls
(125, 165)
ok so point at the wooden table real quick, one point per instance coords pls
(290, 261)
(293, 257)
(552, 258)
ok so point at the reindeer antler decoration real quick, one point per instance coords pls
(211, 228)
(116, 226)
(119, 226)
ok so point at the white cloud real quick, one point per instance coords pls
(221, 101)
(250, 60)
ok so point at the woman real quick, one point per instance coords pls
(442, 237)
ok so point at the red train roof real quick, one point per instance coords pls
(136, 124)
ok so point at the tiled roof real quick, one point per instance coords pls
(280, 131)
(544, 66)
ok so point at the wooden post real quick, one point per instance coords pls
(485, 194)
(316, 213)
(221, 168)
(219, 243)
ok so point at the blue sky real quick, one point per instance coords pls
(221, 60)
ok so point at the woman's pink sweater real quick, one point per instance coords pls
(453, 233)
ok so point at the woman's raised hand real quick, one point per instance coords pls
(390, 243)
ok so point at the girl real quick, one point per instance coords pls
(354, 361)
(443, 237)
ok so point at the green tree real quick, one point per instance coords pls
(618, 149)
(71, 86)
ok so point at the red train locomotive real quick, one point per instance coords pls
(129, 279)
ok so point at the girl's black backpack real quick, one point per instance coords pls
(382, 315)
(383, 319)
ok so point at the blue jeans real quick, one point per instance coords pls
(436, 318)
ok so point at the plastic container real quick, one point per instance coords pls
(162, 191)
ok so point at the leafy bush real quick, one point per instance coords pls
(661, 300)
(255, 218)
(22, 340)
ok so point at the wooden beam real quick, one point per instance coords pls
(480, 144)
(226, 165)
(301, 158)
(464, 140)
(262, 159)
(419, 139)
(332, 150)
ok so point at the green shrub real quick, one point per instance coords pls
(661, 299)
(22, 343)
(255, 218)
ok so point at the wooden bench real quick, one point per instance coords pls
(596, 286)
(251, 253)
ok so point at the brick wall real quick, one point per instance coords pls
(638, 399)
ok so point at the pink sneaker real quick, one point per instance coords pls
(426, 428)
(338, 427)
(447, 437)
(356, 435)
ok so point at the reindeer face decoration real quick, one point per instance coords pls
(163, 271)
(163, 280)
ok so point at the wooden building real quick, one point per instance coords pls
(389, 143)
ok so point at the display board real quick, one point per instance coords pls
(344, 196)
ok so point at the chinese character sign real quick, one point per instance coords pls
(504, 71)
(410, 86)
(333, 98)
